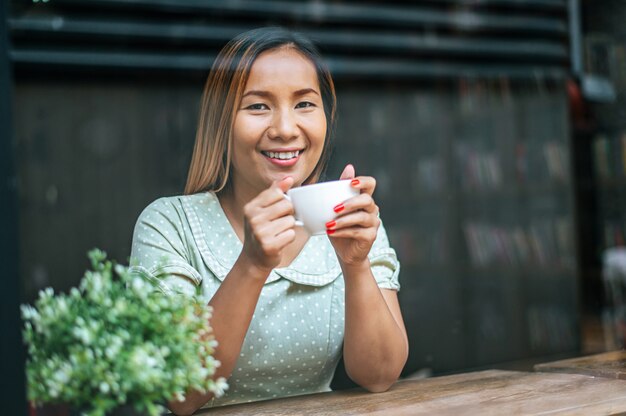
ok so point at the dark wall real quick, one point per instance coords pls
(463, 168)
(91, 157)
(457, 108)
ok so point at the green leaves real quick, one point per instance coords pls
(117, 339)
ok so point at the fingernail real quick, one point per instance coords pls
(339, 208)
(329, 232)
(331, 224)
(355, 182)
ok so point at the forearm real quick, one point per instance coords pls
(233, 307)
(375, 345)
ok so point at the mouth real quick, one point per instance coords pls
(283, 158)
(282, 155)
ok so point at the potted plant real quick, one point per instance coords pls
(116, 342)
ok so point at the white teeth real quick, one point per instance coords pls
(282, 155)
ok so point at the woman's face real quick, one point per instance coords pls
(280, 126)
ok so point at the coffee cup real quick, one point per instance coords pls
(314, 203)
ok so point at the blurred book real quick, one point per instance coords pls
(429, 175)
(556, 161)
(479, 169)
(424, 247)
(609, 156)
(544, 243)
(521, 163)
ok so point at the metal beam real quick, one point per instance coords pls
(315, 12)
(547, 5)
(373, 68)
(33, 28)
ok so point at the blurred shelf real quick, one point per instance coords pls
(527, 271)
(519, 191)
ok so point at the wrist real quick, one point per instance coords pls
(250, 270)
(357, 268)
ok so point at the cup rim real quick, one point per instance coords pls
(316, 185)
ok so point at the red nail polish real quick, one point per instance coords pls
(329, 232)
(331, 224)
(355, 182)
(339, 208)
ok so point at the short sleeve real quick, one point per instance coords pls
(384, 262)
(158, 249)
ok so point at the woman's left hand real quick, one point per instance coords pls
(354, 230)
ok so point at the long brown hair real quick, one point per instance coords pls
(212, 153)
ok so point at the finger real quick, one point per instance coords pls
(348, 172)
(279, 209)
(285, 238)
(261, 217)
(277, 226)
(285, 184)
(365, 184)
(363, 202)
(274, 244)
(358, 218)
(275, 192)
(356, 233)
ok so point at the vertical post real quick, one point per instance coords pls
(575, 31)
(12, 390)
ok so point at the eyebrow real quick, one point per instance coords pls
(260, 93)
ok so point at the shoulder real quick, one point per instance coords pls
(172, 207)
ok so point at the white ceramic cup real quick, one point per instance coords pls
(314, 203)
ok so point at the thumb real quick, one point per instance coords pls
(348, 172)
(285, 184)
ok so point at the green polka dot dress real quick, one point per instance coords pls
(186, 244)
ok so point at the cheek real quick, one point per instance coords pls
(246, 132)
(317, 130)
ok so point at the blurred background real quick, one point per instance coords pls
(495, 128)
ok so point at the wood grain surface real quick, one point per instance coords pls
(609, 364)
(492, 392)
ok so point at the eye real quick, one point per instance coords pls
(305, 104)
(257, 107)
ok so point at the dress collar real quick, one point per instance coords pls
(219, 246)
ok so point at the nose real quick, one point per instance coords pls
(284, 126)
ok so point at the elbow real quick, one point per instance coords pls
(376, 380)
(379, 387)
(376, 383)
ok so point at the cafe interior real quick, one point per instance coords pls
(496, 131)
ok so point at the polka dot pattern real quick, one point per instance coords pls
(294, 341)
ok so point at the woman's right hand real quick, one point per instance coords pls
(269, 226)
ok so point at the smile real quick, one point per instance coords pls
(282, 159)
(282, 155)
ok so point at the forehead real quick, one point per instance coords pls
(284, 67)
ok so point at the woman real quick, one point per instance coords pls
(284, 303)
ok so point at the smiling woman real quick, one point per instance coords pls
(226, 88)
(286, 304)
(280, 126)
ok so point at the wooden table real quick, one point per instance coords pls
(492, 392)
(609, 364)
